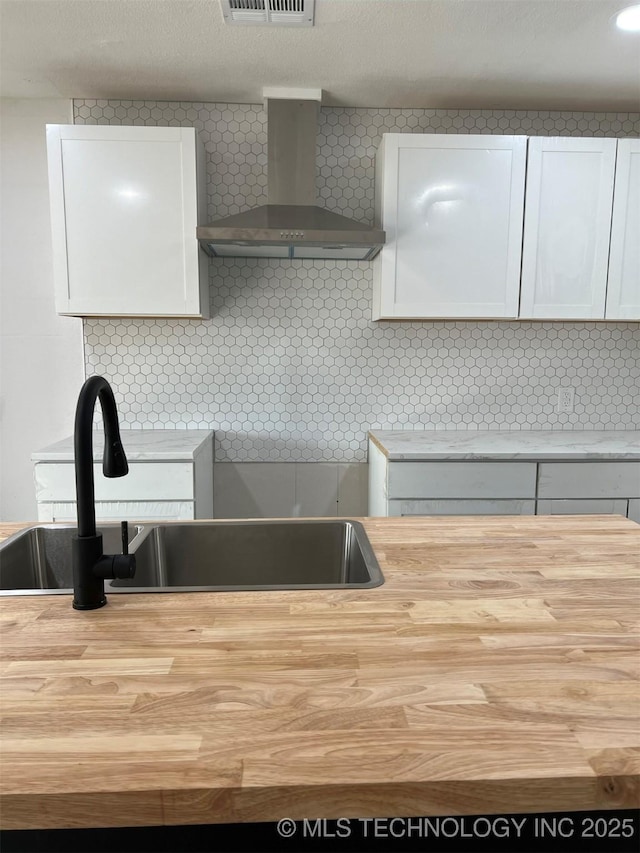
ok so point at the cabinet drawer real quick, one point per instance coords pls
(121, 511)
(461, 507)
(461, 480)
(589, 480)
(602, 506)
(145, 481)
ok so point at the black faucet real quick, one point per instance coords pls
(90, 565)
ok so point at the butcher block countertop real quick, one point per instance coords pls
(496, 670)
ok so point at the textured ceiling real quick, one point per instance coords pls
(535, 54)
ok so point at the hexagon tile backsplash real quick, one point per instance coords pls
(291, 368)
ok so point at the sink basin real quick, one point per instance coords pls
(202, 556)
(38, 559)
(237, 555)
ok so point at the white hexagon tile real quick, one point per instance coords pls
(291, 368)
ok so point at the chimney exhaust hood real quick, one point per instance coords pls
(291, 225)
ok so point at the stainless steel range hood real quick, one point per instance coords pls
(291, 225)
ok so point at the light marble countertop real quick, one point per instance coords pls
(140, 445)
(415, 445)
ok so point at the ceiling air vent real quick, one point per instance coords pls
(274, 13)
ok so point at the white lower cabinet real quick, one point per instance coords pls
(401, 488)
(169, 491)
(157, 487)
(450, 488)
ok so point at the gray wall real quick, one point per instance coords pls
(41, 358)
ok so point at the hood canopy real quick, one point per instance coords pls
(291, 225)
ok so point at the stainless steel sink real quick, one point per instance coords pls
(254, 555)
(203, 556)
(38, 559)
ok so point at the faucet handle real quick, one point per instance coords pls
(124, 533)
(111, 566)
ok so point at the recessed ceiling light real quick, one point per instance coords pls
(629, 19)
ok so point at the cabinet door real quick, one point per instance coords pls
(566, 227)
(623, 288)
(452, 207)
(124, 212)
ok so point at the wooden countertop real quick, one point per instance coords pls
(496, 670)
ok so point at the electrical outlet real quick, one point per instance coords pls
(565, 400)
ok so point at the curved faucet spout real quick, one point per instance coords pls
(114, 462)
(90, 565)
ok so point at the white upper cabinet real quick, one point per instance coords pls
(566, 227)
(452, 209)
(623, 289)
(124, 207)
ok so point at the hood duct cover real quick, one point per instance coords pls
(291, 225)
